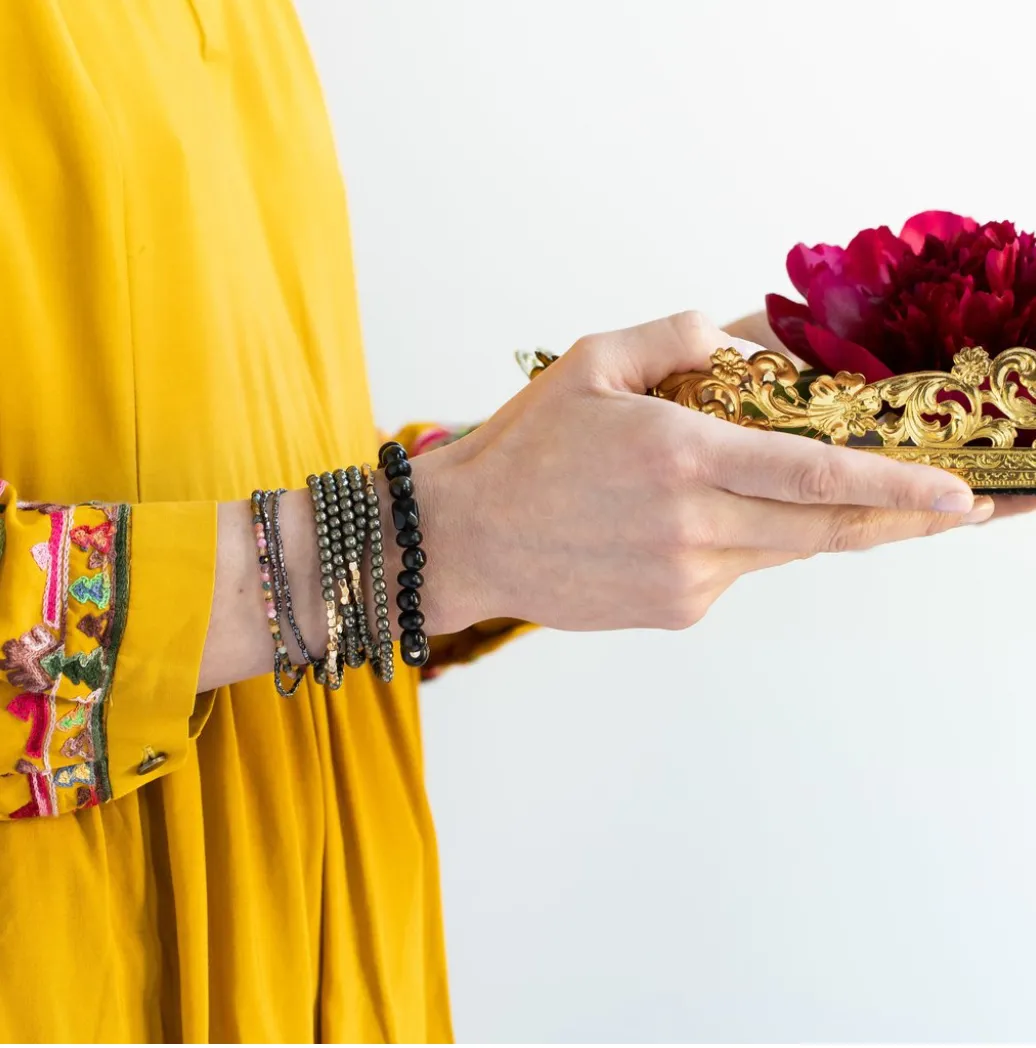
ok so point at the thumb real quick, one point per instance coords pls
(637, 359)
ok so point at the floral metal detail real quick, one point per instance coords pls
(969, 420)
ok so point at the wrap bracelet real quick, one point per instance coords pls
(269, 565)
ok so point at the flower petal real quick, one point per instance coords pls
(869, 255)
(832, 353)
(803, 262)
(787, 319)
(943, 225)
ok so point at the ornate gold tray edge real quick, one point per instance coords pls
(930, 417)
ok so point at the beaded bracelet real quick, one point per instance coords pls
(406, 519)
(282, 667)
(325, 508)
(382, 659)
(346, 570)
(280, 575)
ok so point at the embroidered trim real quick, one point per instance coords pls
(63, 676)
(436, 437)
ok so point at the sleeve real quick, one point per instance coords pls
(104, 611)
(483, 637)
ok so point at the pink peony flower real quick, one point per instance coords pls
(886, 305)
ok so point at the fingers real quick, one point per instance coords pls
(736, 521)
(1013, 506)
(786, 467)
(636, 359)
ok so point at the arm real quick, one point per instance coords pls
(580, 505)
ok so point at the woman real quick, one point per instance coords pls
(179, 327)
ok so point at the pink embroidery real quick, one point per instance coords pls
(98, 540)
(41, 801)
(21, 661)
(33, 707)
(57, 569)
(427, 438)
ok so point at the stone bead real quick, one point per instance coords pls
(377, 572)
(323, 541)
(413, 639)
(391, 451)
(336, 547)
(410, 579)
(408, 600)
(337, 559)
(379, 585)
(401, 488)
(405, 514)
(411, 620)
(378, 561)
(409, 538)
(414, 559)
(349, 528)
(329, 593)
(397, 468)
(415, 656)
(325, 554)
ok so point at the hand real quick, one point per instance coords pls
(584, 505)
(756, 328)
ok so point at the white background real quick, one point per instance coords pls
(814, 815)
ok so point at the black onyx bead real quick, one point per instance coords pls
(398, 468)
(410, 579)
(414, 559)
(405, 514)
(417, 656)
(410, 537)
(412, 639)
(408, 600)
(390, 452)
(401, 488)
(411, 620)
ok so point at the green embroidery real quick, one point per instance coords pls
(75, 719)
(81, 668)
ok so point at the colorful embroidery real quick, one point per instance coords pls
(96, 541)
(81, 745)
(75, 719)
(96, 626)
(74, 775)
(63, 668)
(436, 437)
(52, 557)
(80, 668)
(22, 659)
(93, 588)
(31, 707)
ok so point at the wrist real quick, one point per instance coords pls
(453, 595)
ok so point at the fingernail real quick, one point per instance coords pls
(982, 510)
(954, 502)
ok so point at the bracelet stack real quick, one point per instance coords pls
(350, 547)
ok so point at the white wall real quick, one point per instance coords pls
(814, 815)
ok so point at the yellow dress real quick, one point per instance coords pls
(178, 326)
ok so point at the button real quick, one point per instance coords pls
(151, 761)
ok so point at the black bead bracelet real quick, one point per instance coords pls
(406, 519)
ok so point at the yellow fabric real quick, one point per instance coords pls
(178, 326)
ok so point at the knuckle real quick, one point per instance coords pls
(691, 320)
(815, 482)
